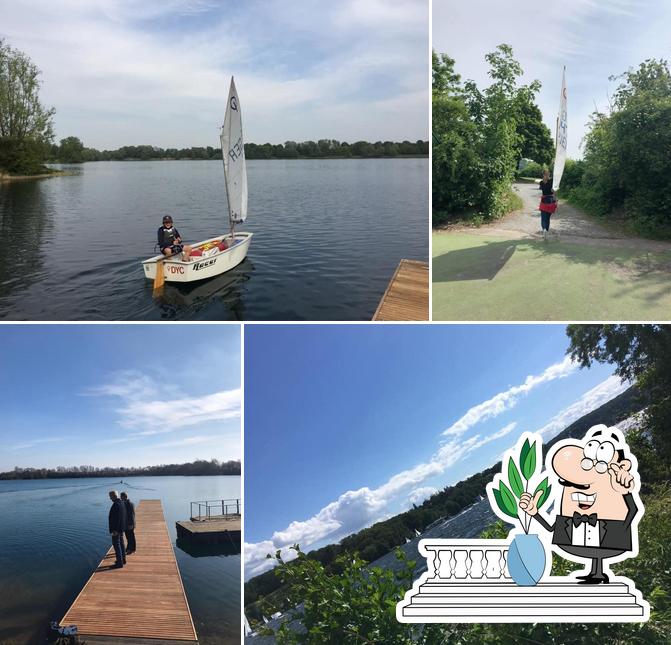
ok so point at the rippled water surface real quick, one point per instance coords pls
(53, 533)
(328, 235)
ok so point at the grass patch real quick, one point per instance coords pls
(478, 277)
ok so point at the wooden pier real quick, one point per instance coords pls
(407, 295)
(144, 601)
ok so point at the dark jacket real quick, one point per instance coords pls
(117, 516)
(130, 514)
(613, 534)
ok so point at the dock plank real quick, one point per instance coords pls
(145, 599)
(407, 295)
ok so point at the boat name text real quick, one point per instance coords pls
(202, 265)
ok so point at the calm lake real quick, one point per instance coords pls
(54, 533)
(328, 235)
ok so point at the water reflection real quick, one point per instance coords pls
(227, 288)
(207, 550)
(25, 225)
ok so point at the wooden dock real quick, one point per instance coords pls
(407, 295)
(144, 600)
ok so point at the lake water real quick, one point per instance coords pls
(54, 533)
(328, 235)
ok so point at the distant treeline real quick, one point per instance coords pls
(381, 538)
(198, 467)
(72, 150)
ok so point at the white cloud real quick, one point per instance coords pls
(31, 443)
(504, 401)
(189, 441)
(120, 73)
(355, 509)
(152, 408)
(161, 416)
(420, 494)
(597, 396)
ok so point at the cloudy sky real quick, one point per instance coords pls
(593, 39)
(347, 425)
(157, 72)
(119, 395)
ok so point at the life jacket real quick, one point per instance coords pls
(549, 206)
(169, 235)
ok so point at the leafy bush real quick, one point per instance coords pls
(356, 606)
(22, 156)
(627, 165)
(572, 177)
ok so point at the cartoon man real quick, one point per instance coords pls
(597, 502)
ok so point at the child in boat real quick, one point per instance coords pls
(169, 240)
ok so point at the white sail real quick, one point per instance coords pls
(233, 151)
(562, 138)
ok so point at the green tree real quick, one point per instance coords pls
(71, 150)
(535, 139)
(641, 353)
(26, 126)
(480, 135)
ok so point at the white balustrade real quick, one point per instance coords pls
(464, 560)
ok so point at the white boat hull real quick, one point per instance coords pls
(200, 268)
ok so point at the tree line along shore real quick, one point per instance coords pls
(72, 150)
(198, 467)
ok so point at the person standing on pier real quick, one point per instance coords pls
(130, 524)
(117, 526)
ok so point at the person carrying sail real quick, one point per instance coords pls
(548, 203)
(169, 240)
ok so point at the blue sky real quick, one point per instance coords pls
(119, 395)
(157, 72)
(346, 425)
(593, 39)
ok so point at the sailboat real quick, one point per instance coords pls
(225, 251)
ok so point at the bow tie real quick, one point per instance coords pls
(578, 518)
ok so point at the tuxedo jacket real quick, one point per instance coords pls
(613, 534)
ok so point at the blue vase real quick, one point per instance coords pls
(526, 559)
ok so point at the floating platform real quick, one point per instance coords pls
(217, 529)
(142, 603)
(407, 295)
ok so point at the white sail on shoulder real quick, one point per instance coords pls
(233, 152)
(562, 137)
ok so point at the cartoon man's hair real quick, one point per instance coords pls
(608, 434)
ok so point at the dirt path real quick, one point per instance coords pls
(568, 223)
